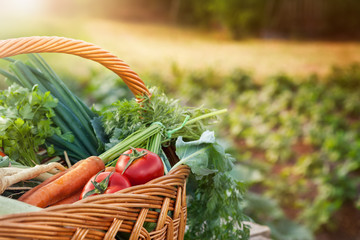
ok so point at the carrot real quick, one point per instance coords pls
(67, 184)
(47, 181)
(71, 199)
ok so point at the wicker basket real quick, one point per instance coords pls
(160, 202)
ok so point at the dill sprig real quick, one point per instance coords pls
(125, 117)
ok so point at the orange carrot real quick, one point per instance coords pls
(73, 198)
(47, 181)
(66, 185)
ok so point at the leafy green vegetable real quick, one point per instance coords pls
(153, 123)
(12, 206)
(83, 131)
(124, 117)
(214, 196)
(214, 209)
(204, 156)
(25, 123)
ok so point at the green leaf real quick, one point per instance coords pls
(19, 122)
(204, 156)
(4, 124)
(50, 150)
(68, 136)
(130, 117)
(212, 189)
(50, 97)
(26, 112)
(11, 112)
(25, 123)
(100, 134)
(4, 161)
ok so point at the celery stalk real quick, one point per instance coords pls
(134, 140)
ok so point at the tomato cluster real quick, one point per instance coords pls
(134, 167)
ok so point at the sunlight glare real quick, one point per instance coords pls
(21, 8)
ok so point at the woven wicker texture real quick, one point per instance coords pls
(155, 210)
(161, 201)
(16, 46)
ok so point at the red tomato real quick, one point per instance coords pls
(116, 182)
(145, 166)
(2, 152)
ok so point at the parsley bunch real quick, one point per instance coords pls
(82, 131)
(25, 123)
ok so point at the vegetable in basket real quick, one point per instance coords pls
(69, 182)
(214, 196)
(26, 122)
(158, 124)
(81, 129)
(2, 154)
(139, 165)
(71, 199)
(63, 184)
(86, 175)
(104, 183)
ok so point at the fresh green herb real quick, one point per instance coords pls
(153, 123)
(83, 130)
(125, 117)
(215, 197)
(25, 122)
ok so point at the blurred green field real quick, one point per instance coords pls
(291, 126)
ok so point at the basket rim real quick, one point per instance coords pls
(54, 44)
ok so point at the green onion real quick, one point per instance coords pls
(71, 114)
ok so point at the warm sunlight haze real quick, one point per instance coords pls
(259, 98)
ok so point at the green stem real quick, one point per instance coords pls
(154, 145)
(206, 116)
(137, 138)
(134, 140)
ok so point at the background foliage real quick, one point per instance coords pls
(330, 19)
(297, 143)
(276, 18)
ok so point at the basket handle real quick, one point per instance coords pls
(16, 46)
